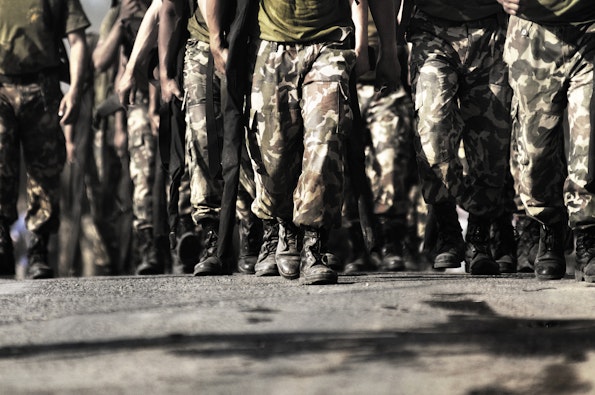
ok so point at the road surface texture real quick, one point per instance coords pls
(376, 333)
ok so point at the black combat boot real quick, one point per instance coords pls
(149, 264)
(360, 260)
(392, 249)
(585, 255)
(503, 243)
(550, 263)
(266, 264)
(188, 246)
(478, 256)
(37, 254)
(251, 233)
(450, 246)
(288, 250)
(7, 264)
(313, 261)
(527, 230)
(209, 264)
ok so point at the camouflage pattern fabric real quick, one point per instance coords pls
(205, 192)
(142, 148)
(300, 118)
(551, 70)
(389, 120)
(29, 119)
(460, 89)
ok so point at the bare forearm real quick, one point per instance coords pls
(78, 56)
(384, 13)
(146, 38)
(170, 16)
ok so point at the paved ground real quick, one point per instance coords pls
(405, 333)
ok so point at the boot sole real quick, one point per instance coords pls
(321, 279)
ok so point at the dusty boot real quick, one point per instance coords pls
(251, 234)
(478, 256)
(7, 264)
(266, 264)
(360, 257)
(504, 244)
(188, 246)
(37, 254)
(392, 249)
(527, 230)
(550, 262)
(149, 264)
(209, 264)
(288, 250)
(313, 266)
(450, 246)
(585, 255)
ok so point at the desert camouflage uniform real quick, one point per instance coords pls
(546, 184)
(466, 98)
(142, 148)
(300, 116)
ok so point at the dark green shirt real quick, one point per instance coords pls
(301, 21)
(30, 32)
(559, 11)
(459, 10)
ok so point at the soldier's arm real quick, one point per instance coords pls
(107, 50)
(170, 17)
(388, 68)
(69, 105)
(212, 10)
(359, 14)
(146, 39)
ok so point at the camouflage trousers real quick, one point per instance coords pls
(29, 120)
(205, 191)
(461, 93)
(551, 70)
(300, 119)
(389, 122)
(142, 148)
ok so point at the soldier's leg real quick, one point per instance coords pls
(10, 153)
(142, 149)
(205, 190)
(45, 154)
(328, 119)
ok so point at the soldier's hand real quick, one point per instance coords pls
(362, 62)
(129, 8)
(388, 69)
(169, 90)
(511, 6)
(220, 58)
(126, 89)
(68, 110)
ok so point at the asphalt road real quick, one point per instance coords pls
(404, 333)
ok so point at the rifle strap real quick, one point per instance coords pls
(212, 130)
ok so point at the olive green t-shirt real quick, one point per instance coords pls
(30, 32)
(459, 10)
(300, 21)
(197, 27)
(558, 11)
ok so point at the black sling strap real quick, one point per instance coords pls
(212, 130)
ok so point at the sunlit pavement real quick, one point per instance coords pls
(374, 333)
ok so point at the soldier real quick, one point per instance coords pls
(300, 117)
(550, 50)
(31, 112)
(141, 125)
(460, 91)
